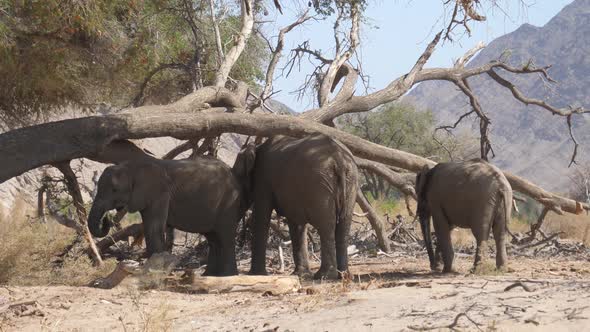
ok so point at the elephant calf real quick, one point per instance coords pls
(197, 196)
(472, 194)
(309, 180)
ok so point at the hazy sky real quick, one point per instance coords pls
(395, 33)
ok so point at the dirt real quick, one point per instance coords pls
(385, 294)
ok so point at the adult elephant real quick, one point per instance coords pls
(308, 180)
(472, 194)
(198, 196)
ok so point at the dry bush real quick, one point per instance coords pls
(28, 246)
(576, 227)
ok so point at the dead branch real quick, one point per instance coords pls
(376, 222)
(449, 326)
(277, 52)
(135, 231)
(404, 183)
(97, 133)
(74, 191)
(519, 284)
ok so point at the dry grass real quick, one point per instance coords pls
(576, 227)
(28, 246)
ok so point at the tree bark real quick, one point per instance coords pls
(31, 147)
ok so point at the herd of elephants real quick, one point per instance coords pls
(312, 180)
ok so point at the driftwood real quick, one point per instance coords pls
(157, 269)
(274, 285)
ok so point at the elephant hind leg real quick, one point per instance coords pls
(443, 235)
(298, 234)
(327, 229)
(481, 239)
(499, 229)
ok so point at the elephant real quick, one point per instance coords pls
(202, 195)
(307, 180)
(471, 194)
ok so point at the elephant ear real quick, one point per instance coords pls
(421, 181)
(245, 161)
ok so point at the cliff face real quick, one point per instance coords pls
(528, 140)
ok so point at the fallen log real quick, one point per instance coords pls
(275, 285)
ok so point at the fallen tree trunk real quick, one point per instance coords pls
(275, 285)
(90, 136)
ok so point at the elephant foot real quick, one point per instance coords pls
(303, 273)
(258, 272)
(331, 274)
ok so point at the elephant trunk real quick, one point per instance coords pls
(98, 223)
(424, 216)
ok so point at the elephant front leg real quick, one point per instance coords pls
(262, 210)
(154, 225)
(298, 235)
(213, 258)
(227, 263)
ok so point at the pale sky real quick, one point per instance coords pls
(395, 33)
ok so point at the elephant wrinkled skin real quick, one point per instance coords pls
(197, 196)
(309, 180)
(472, 194)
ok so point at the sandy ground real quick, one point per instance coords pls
(387, 294)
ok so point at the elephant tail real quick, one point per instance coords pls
(506, 196)
(347, 175)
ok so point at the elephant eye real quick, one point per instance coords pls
(115, 190)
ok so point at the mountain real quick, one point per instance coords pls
(528, 140)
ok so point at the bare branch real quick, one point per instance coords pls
(239, 44)
(220, 55)
(277, 52)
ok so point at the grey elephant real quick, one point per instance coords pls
(312, 180)
(198, 196)
(472, 194)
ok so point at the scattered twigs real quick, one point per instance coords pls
(519, 284)
(539, 243)
(451, 326)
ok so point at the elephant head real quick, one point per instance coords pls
(243, 170)
(423, 211)
(114, 192)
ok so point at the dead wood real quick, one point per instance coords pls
(275, 285)
(376, 222)
(449, 326)
(519, 284)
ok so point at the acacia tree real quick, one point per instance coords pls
(223, 106)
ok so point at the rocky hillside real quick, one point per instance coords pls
(528, 140)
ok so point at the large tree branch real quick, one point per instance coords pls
(86, 137)
(404, 183)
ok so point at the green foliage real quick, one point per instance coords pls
(56, 53)
(396, 125)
